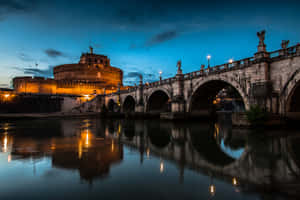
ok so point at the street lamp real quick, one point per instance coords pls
(160, 75)
(208, 58)
(230, 60)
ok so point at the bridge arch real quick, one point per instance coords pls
(112, 106)
(290, 94)
(129, 104)
(158, 101)
(206, 90)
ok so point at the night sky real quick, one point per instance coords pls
(140, 37)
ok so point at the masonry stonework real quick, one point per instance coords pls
(267, 79)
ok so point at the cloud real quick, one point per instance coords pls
(25, 57)
(4, 85)
(156, 39)
(133, 77)
(133, 74)
(47, 72)
(54, 53)
(16, 6)
(161, 37)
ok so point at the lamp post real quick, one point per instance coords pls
(208, 59)
(160, 78)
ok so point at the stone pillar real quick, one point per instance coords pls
(140, 100)
(178, 102)
(261, 91)
(298, 49)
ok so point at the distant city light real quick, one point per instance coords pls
(230, 61)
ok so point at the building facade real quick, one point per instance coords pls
(92, 75)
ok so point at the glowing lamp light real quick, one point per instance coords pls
(234, 181)
(230, 61)
(161, 166)
(208, 59)
(6, 96)
(160, 75)
(86, 96)
(212, 190)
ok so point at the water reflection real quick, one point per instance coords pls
(216, 152)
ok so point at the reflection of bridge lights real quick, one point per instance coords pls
(80, 149)
(86, 138)
(5, 144)
(6, 126)
(9, 158)
(212, 190)
(148, 152)
(234, 181)
(217, 130)
(212, 187)
(161, 166)
(119, 129)
(112, 146)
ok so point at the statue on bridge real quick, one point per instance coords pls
(261, 45)
(179, 71)
(284, 44)
(141, 79)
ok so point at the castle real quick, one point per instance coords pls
(92, 75)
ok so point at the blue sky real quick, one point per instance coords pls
(139, 36)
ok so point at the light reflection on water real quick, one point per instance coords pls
(117, 159)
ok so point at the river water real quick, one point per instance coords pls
(92, 158)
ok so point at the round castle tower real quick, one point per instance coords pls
(91, 75)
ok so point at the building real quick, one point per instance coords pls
(93, 74)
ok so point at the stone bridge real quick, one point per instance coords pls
(270, 79)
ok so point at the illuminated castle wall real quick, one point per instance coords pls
(91, 75)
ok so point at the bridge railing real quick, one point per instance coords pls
(239, 64)
(290, 51)
(220, 68)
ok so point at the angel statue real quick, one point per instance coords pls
(261, 36)
(285, 43)
(179, 71)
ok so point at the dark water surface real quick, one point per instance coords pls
(122, 159)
